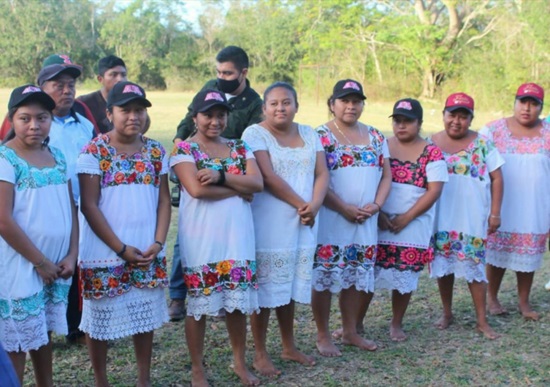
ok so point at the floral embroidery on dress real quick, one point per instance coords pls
(512, 242)
(29, 177)
(234, 164)
(23, 308)
(116, 169)
(403, 258)
(335, 257)
(472, 160)
(407, 172)
(508, 144)
(343, 155)
(219, 276)
(112, 281)
(460, 245)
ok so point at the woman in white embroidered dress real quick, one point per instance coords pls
(406, 219)
(360, 182)
(468, 209)
(523, 140)
(293, 165)
(126, 206)
(216, 233)
(38, 235)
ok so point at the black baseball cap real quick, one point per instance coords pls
(408, 107)
(109, 62)
(125, 92)
(56, 64)
(30, 93)
(347, 87)
(207, 99)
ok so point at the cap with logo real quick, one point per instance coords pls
(56, 64)
(30, 93)
(457, 101)
(207, 99)
(346, 87)
(125, 92)
(531, 90)
(409, 108)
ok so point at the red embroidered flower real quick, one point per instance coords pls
(346, 160)
(324, 252)
(410, 256)
(211, 278)
(119, 177)
(369, 252)
(233, 170)
(192, 281)
(401, 174)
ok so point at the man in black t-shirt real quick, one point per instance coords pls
(110, 71)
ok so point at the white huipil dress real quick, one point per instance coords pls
(42, 208)
(463, 210)
(346, 251)
(284, 247)
(216, 239)
(401, 257)
(120, 299)
(520, 242)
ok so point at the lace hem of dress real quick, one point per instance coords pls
(283, 266)
(393, 279)
(516, 262)
(32, 333)
(243, 300)
(336, 280)
(138, 311)
(467, 269)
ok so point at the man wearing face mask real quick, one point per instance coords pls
(232, 69)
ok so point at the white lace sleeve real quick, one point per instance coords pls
(254, 138)
(494, 159)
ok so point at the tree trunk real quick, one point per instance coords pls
(428, 83)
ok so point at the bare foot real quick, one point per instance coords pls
(359, 342)
(528, 313)
(444, 322)
(247, 377)
(495, 309)
(397, 334)
(198, 377)
(327, 348)
(487, 331)
(338, 333)
(297, 356)
(264, 365)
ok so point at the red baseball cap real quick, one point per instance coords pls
(531, 90)
(459, 101)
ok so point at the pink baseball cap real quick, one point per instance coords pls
(531, 90)
(457, 101)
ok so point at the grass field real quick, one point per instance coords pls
(457, 356)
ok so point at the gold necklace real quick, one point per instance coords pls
(346, 137)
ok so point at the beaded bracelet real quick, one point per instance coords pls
(160, 244)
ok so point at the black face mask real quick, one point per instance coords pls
(229, 87)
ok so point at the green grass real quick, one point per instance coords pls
(457, 356)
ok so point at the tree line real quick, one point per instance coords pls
(420, 48)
